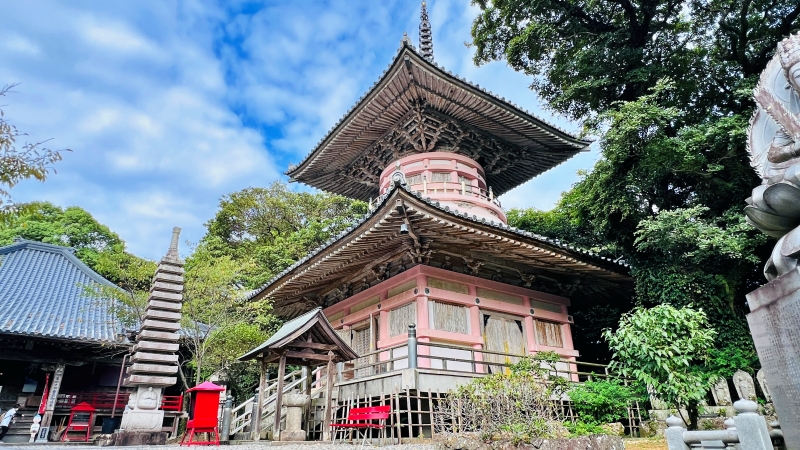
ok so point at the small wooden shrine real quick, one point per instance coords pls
(203, 411)
(80, 424)
(307, 341)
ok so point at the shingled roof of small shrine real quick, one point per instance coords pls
(569, 254)
(43, 294)
(540, 145)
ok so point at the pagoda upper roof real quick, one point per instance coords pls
(417, 106)
(376, 238)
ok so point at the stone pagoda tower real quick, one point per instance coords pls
(154, 357)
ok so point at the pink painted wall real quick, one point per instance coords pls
(425, 333)
(473, 197)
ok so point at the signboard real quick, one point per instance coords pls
(54, 388)
(42, 435)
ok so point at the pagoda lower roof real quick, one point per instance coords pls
(377, 238)
(417, 107)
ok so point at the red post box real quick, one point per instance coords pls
(81, 420)
(203, 410)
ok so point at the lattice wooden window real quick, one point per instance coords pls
(447, 317)
(548, 333)
(400, 318)
(414, 179)
(438, 177)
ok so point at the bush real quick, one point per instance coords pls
(580, 428)
(515, 406)
(604, 401)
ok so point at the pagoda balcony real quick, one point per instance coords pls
(452, 180)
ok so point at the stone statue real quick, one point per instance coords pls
(744, 385)
(774, 144)
(148, 399)
(762, 381)
(722, 396)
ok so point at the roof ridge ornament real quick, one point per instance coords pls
(425, 37)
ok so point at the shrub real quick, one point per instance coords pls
(515, 406)
(580, 428)
(603, 401)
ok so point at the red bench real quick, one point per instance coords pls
(363, 420)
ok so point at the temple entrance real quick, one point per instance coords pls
(362, 338)
(502, 334)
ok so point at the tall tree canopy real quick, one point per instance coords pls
(666, 85)
(268, 229)
(94, 243)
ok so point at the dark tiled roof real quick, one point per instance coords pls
(619, 265)
(538, 146)
(43, 293)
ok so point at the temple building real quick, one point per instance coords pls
(431, 153)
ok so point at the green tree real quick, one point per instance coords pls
(95, 244)
(666, 85)
(211, 299)
(665, 349)
(268, 229)
(597, 402)
(17, 163)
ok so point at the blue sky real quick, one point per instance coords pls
(169, 105)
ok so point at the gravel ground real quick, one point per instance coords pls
(243, 446)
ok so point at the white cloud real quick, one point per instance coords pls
(170, 105)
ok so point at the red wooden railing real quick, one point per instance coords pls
(105, 400)
(172, 402)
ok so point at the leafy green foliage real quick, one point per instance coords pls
(666, 85)
(602, 401)
(516, 406)
(268, 229)
(665, 349)
(17, 163)
(581, 428)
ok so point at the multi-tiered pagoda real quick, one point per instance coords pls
(432, 152)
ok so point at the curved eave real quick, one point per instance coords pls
(314, 170)
(587, 262)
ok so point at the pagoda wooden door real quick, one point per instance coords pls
(502, 334)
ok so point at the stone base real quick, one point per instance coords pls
(774, 313)
(291, 435)
(129, 438)
(142, 421)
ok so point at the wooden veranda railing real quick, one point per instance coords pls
(105, 400)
